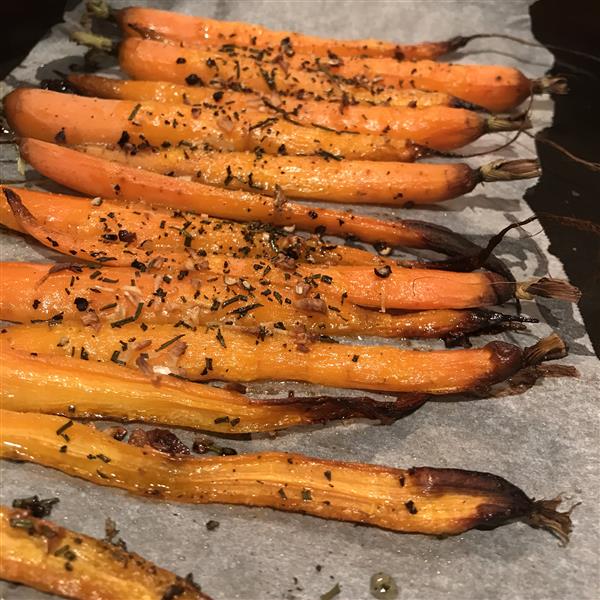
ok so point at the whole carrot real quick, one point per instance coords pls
(417, 500)
(437, 127)
(99, 296)
(235, 355)
(173, 93)
(71, 119)
(205, 32)
(101, 178)
(319, 178)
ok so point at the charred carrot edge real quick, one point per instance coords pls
(235, 355)
(378, 287)
(50, 558)
(79, 389)
(476, 84)
(172, 93)
(318, 178)
(439, 127)
(42, 114)
(174, 232)
(418, 500)
(96, 296)
(109, 180)
(204, 32)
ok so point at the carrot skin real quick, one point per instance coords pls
(205, 32)
(236, 356)
(304, 177)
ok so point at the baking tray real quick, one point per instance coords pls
(545, 440)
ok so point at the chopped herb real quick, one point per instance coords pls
(328, 155)
(224, 419)
(115, 358)
(63, 428)
(169, 342)
(38, 508)
(265, 123)
(355, 358)
(220, 338)
(242, 311)
(410, 507)
(138, 312)
(134, 112)
(306, 495)
(212, 525)
(81, 304)
(332, 593)
(327, 475)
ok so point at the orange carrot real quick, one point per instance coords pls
(318, 178)
(71, 119)
(438, 127)
(96, 296)
(98, 177)
(173, 93)
(206, 32)
(242, 356)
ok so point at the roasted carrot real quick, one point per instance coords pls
(205, 32)
(319, 178)
(229, 354)
(50, 558)
(71, 119)
(172, 232)
(80, 389)
(495, 88)
(438, 127)
(97, 296)
(381, 287)
(417, 500)
(173, 93)
(105, 179)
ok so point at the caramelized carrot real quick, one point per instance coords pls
(95, 296)
(236, 355)
(80, 389)
(205, 32)
(318, 178)
(417, 500)
(98, 177)
(72, 119)
(163, 232)
(496, 88)
(438, 127)
(406, 288)
(173, 93)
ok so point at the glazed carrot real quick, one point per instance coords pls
(212, 33)
(379, 287)
(235, 355)
(71, 119)
(97, 296)
(98, 177)
(318, 178)
(417, 500)
(80, 389)
(496, 88)
(169, 233)
(438, 127)
(173, 93)
(42, 555)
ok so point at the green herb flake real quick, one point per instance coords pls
(332, 593)
(169, 342)
(134, 112)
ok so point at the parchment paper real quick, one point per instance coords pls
(545, 441)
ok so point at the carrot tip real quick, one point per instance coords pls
(510, 170)
(550, 85)
(549, 348)
(545, 516)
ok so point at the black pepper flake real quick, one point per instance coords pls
(327, 475)
(81, 304)
(410, 507)
(208, 366)
(313, 214)
(217, 96)
(83, 354)
(383, 272)
(180, 60)
(402, 480)
(193, 79)
(355, 358)
(281, 492)
(306, 495)
(124, 139)
(60, 137)
(212, 525)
